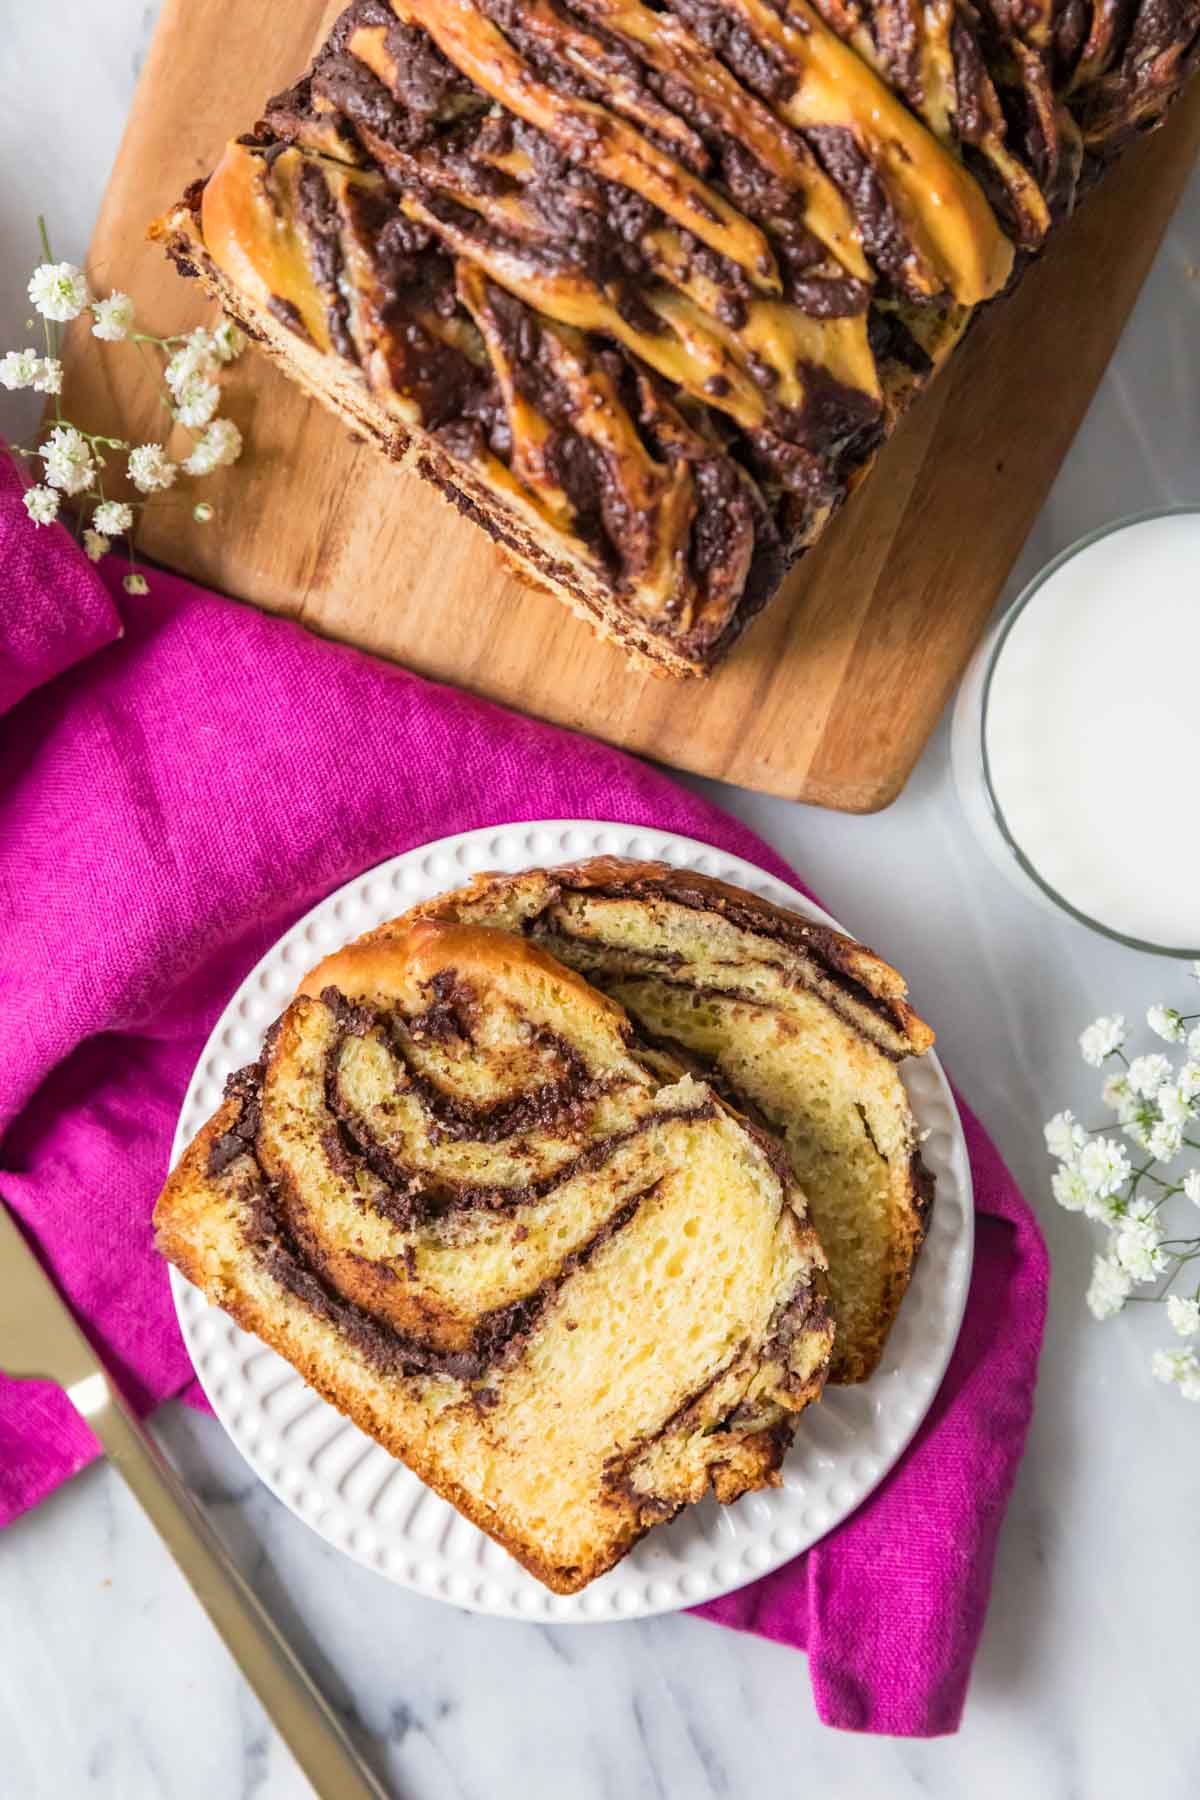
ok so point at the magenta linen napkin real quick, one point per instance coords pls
(180, 778)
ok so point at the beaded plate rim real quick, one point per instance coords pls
(364, 1503)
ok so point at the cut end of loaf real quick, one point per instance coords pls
(797, 1025)
(548, 1268)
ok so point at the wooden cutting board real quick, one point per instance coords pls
(834, 691)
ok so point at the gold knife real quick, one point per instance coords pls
(40, 1340)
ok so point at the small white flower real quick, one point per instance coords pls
(1136, 1243)
(68, 460)
(1184, 1315)
(112, 318)
(1116, 1093)
(198, 360)
(150, 471)
(1101, 1039)
(1104, 1166)
(221, 444)
(1139, 1122)
(1193, 1042)
(228, 342)
(1065, 1136)
(58, 290)
(1069, 1188)
(136, 584)
(1166, 1023)
(197, 401)
(95, 545)
(112, 518)
(1106, 1209)
(19, 369)
(1172, 1104)
(1165, 1141)
(1109, 1288)
(1146, 1074)
(1189, 1080)
(1191, 1186)
(1180, 1369)
(41, 503)
(48, 378)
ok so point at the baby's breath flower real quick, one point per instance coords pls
(41, 503)
(112, 518)
(68, 459)
(1179, 1368)
(136, 584)
(1165, 1141)
(48, 377)
(197, 401)
(1172, 1104)
(1166, 1023)
(1109, 1288)
(1102, 1038)
(1116, 1093)
(59, 291)
(1104, 1167)
(19, 369)
(1146, 1074)
(1069, 1188)
(1139, 1121)
(150, 471)
(1191, 1186)
(1105, 1209)
(95, 545)
(227, 341)
(1193, 1042)
(1065, 1136)
(220, 444)
(112, 318)
(1136, 1242)
(1184, 1315)
(1188, 1080)
(197, 360)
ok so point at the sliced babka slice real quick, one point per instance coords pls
(547, 1267)
(792, 1022)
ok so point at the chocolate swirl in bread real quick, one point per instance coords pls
(642, 284)
(793, 1023)
(538, 1260)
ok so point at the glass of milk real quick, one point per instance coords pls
(1076, 734)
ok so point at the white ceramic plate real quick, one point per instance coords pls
(357, 1497)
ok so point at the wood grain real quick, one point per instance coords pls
(834, 691)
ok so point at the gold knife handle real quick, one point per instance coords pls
(301, 1714)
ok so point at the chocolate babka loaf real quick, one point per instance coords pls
(795, 1024)
(540, 1262)
(641, 285)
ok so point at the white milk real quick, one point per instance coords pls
(1092, 730)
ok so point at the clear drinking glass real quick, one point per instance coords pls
(1109, 580)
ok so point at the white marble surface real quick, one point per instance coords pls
(111, 1682)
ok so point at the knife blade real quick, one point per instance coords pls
(41, 1340)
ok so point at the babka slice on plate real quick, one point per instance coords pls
(545, 1265)
(794, 1023)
